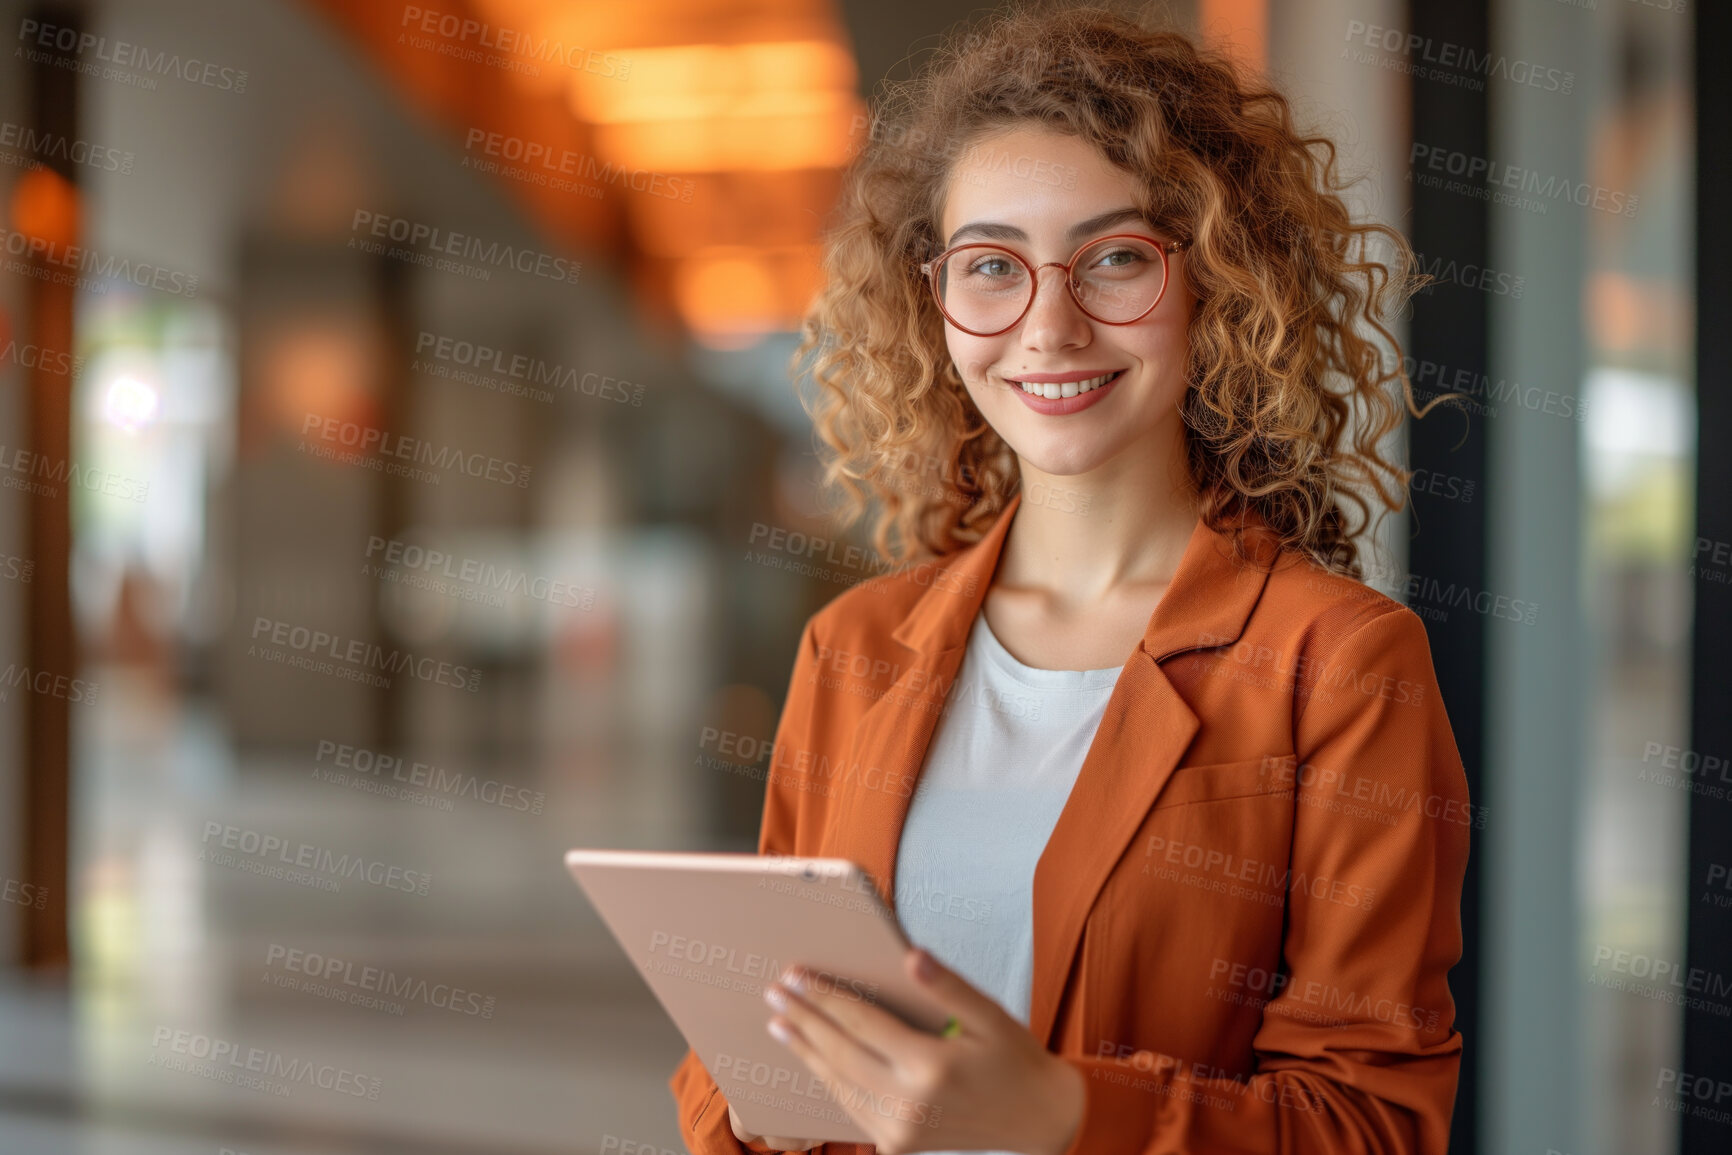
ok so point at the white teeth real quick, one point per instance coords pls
(1069, 389)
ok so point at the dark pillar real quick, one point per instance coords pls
(48, 642)
(1448, 537)
(1707, 1037)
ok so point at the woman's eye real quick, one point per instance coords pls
(991, 267)
(1118, 259)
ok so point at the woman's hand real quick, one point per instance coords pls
(991, 1086)
(780, 1144)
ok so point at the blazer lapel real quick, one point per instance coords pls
(889, 743)
(1143, 735)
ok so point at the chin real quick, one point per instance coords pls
(1070, 458)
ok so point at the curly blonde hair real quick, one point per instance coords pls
(1284, 277)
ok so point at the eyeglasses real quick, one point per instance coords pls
(985, 290)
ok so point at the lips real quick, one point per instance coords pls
(1056, 398)
(1053, 387)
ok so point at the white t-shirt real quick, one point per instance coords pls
(1001, 763)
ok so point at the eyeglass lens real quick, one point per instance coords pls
(986, 288)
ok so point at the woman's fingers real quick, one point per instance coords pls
(855, 1013)
(828, 1051)
(879, 1092)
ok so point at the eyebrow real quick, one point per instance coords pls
(994, 231)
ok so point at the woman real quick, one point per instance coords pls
(1204, 897)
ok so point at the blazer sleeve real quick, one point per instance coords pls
(703, 1109)
(1356, 1052)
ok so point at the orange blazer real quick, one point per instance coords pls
(1246, 913)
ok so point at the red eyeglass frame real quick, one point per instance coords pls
(930, 270)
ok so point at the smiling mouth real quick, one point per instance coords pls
(1053, 390)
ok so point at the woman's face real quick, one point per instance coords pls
(1043, 195)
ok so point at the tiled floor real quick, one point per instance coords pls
(77, 1078)
(518, 1027)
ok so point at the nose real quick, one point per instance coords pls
(1054, 321)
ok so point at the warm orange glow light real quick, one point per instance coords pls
(726, 107)
(732, 297)
(769, 143)
(700, 81)
(1241, 25)
(44, 205)
(723, 126)
(316, 366)
(1627, 313)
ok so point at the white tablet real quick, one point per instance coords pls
(709, 932)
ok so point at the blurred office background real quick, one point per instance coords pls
(288, 216)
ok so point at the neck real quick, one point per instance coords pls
(1082, 537)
